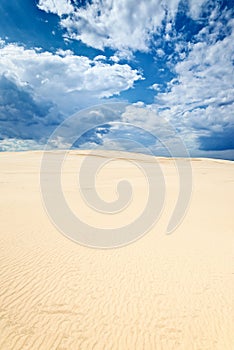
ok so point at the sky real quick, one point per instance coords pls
(171, 62)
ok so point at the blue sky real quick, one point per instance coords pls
(170, 60)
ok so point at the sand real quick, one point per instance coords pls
(160, 292)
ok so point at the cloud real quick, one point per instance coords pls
(59, 7)
(119, 136)
(64, 53)
(190, 41)
(22, 115)
(139, 128)
(65, 78)
(14, 145)
(135, 128)
(195, 7)
(109, 125)
(122, 25)
(100, 58)
(41, 88)
(218, 141)
(199, 100)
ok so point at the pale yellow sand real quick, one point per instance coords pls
(161, 292)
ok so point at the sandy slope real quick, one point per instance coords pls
(161, 292)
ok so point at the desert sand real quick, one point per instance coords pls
(161, 292)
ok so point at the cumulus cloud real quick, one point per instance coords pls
(198, 52)
(100, 58)
(123, 25)
(23, 114)
(121, 127)
(15, 144)
(200, 99)
(66, 78)
(119, 136)
(38, 89)
(59, 7)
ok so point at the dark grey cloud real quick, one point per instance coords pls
(21, 115)
(218, 141)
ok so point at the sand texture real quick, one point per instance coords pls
(162, 292)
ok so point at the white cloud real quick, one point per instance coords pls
(200, 100)
(14, 145)
(160, 53)
(147, 118)
(39, 89)
(123, 25)
(155, 87)
(127, 127)
(100, 58)
(124, 54)
(195, 8)
(59, 7)
(71, 82)
(114, 58)
(64, 53)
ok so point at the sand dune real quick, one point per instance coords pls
(161, 292)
